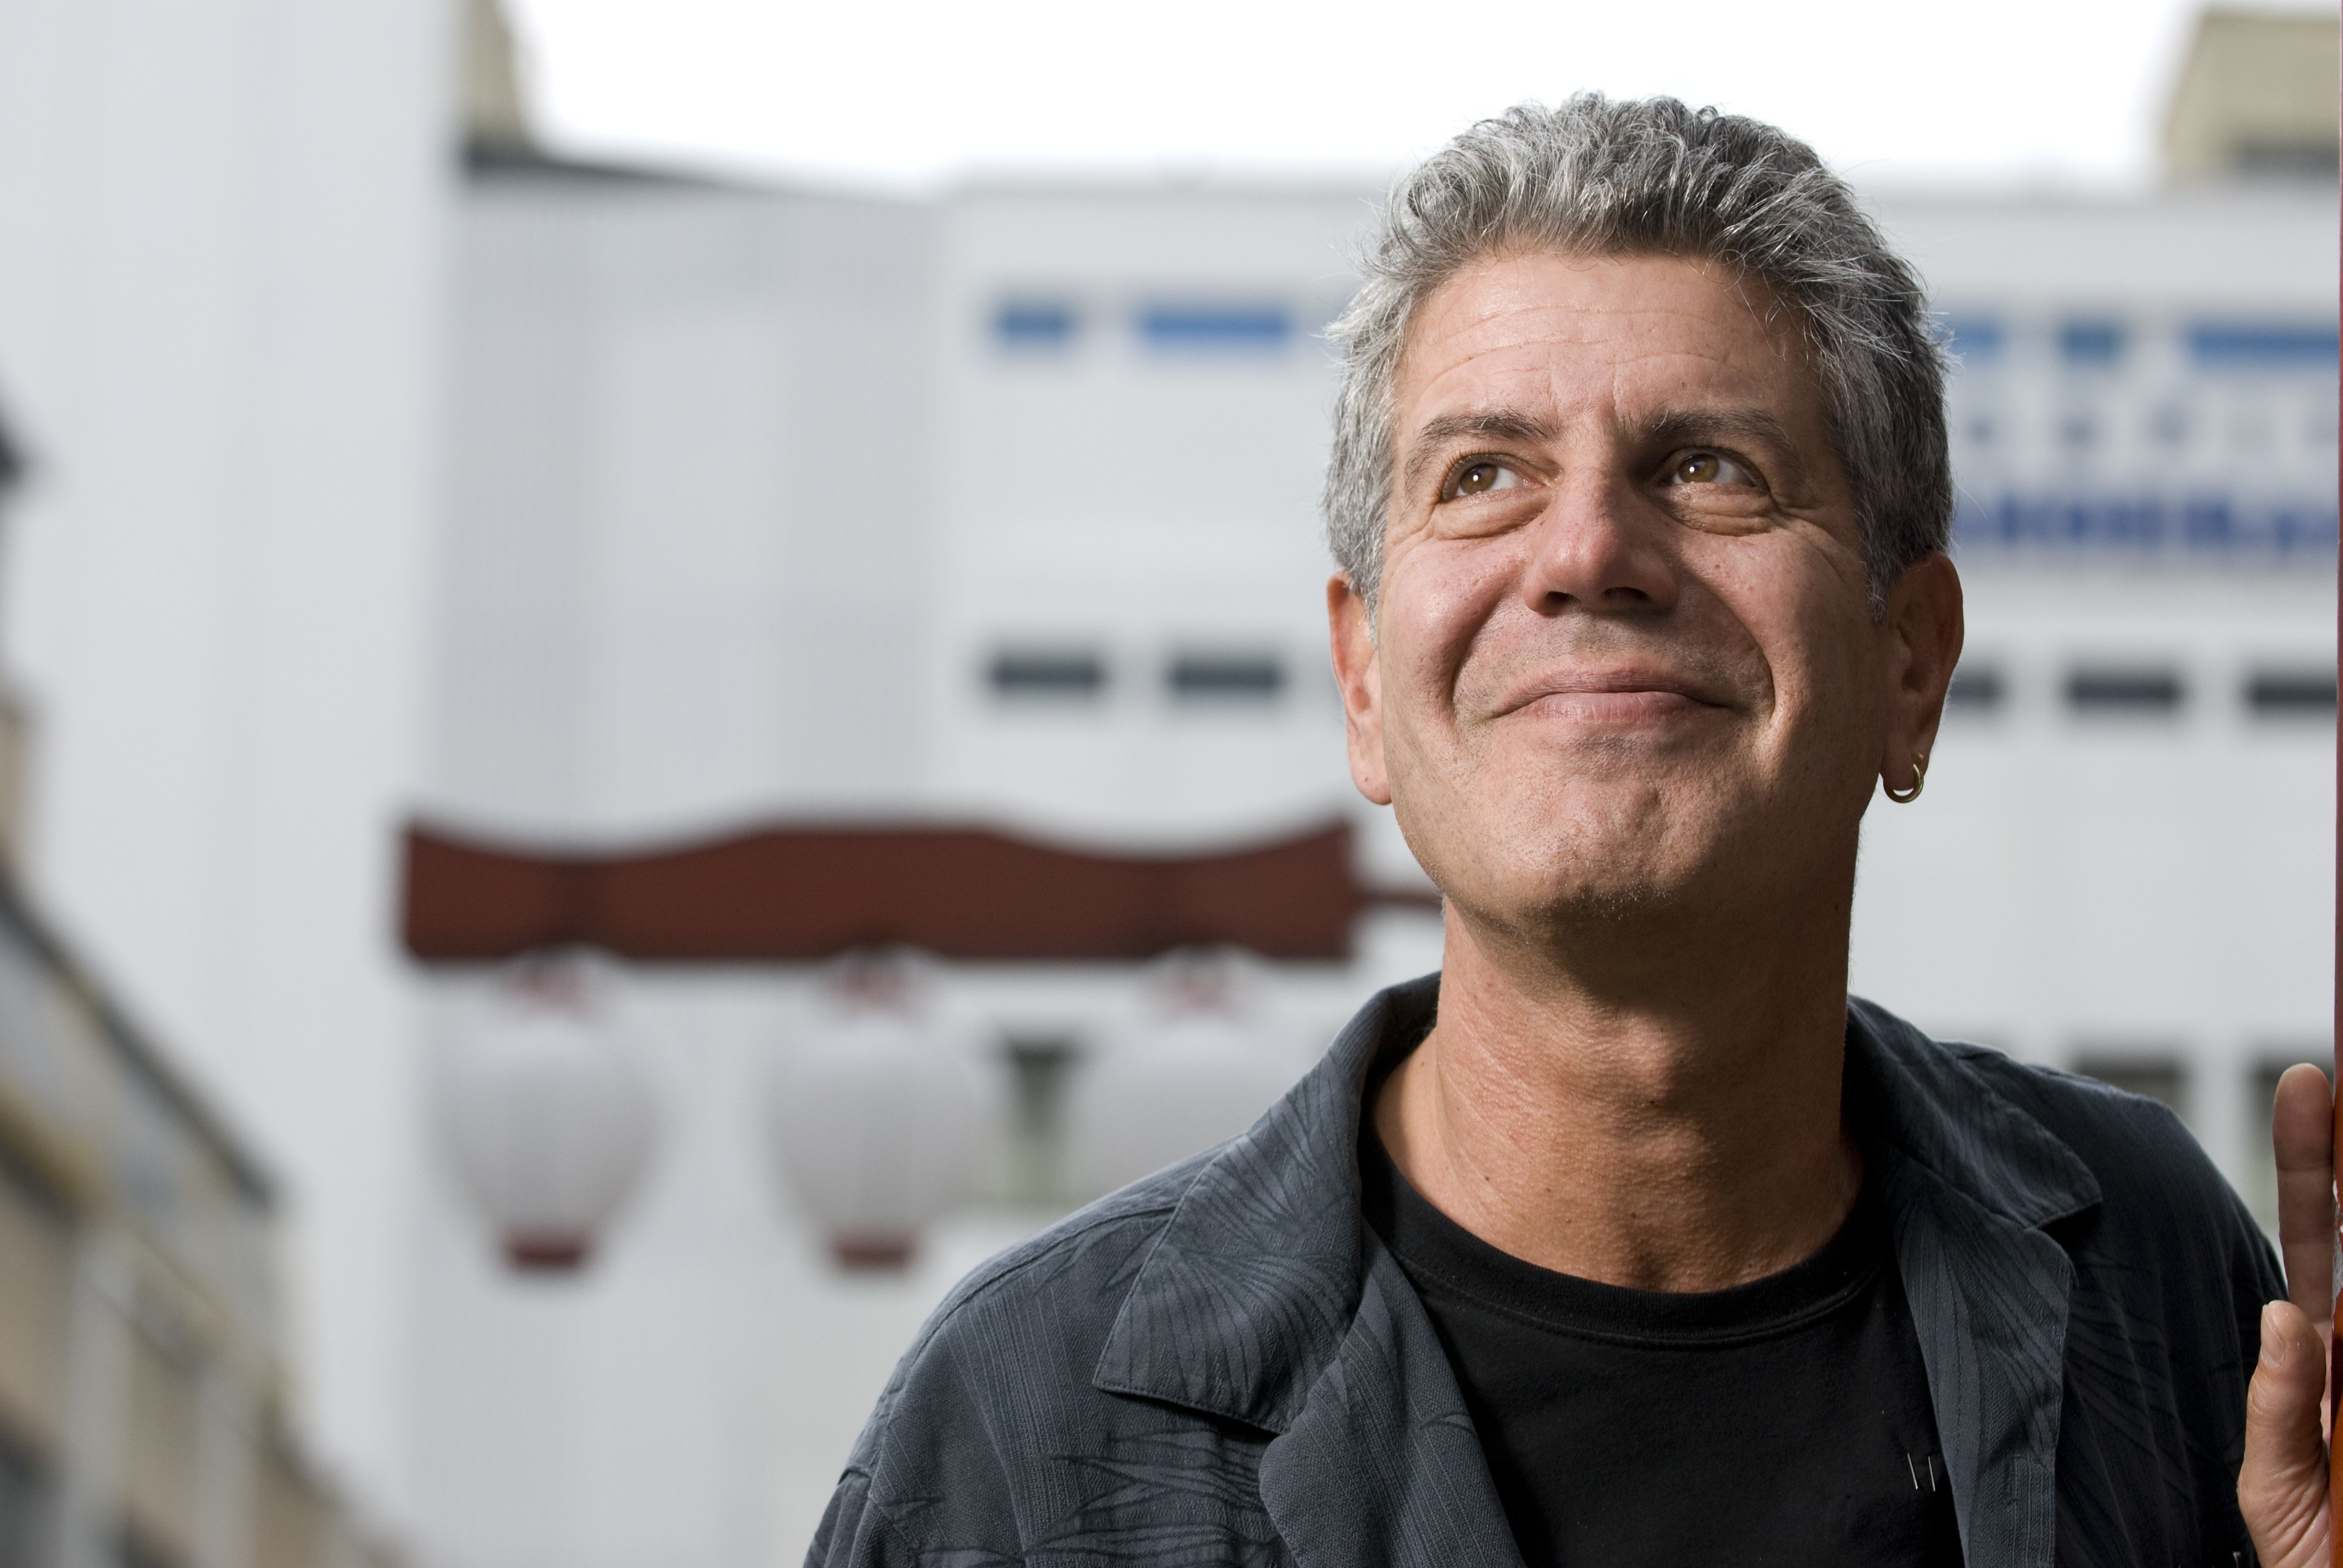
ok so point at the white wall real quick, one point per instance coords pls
(219, 232)
(684, 580)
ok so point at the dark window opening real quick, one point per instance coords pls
(133, 1548)
(24, 1524)
(2149, 692)
(1238, 677)
(1976, 691)
(2291, 693)
(1029, 324)
(1034, 1164)
(2160, 1077)
(2287, 160)
(1047, 673)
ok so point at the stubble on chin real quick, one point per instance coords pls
(1547, 865)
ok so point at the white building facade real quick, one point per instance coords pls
(785, 507)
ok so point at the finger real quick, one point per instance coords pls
(2282, 1484)
(2302, 1136)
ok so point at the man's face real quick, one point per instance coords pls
(1623, 653)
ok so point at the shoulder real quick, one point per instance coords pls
(2151, 1212)
(2145, 1159)
(2115, 1132)
(1001, 1372)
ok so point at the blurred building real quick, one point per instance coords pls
(144, 1415)
(144, 1367)
(220, 234)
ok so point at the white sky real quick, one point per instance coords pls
(1892, 91)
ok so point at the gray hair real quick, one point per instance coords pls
(1650, 176)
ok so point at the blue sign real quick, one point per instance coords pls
(1222, 328)
(2303, 528)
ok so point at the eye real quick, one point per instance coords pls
(1709, 468)
(1480, 476)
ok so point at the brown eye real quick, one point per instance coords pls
(1479, 478)
(1709, 468)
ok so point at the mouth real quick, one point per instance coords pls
(1623, 696)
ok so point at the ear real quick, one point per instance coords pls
(1350, 629)
(1921, 638)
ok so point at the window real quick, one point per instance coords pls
(1226, 677)
(2143, 692)
(2091, 342)
(1972, 338)
(1975, 690)
(1203, 327)
(133, 1548)
(1035, 326)
(2291, 694)
(2306, 346)
(1033, 1172)
(1047, 674)
(24, 1514)
(2157, 1075)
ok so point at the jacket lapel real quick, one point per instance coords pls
(1383, 1468)
(1268, 1301)
(1970, 1182)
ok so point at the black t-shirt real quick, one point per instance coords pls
(1786, 1421)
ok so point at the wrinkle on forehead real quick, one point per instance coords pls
(1499, 306)
(1593, 319)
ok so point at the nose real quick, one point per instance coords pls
(1592, 550)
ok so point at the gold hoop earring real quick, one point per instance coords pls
(1919, 781)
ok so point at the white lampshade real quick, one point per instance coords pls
(879, 1119)
(1200, 1066)
(548, 1121)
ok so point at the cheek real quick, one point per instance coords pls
(1824, 675)
(1812, 636)
(1437, 600)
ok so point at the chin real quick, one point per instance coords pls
(1548, 893)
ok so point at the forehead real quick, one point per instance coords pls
(1561, 335)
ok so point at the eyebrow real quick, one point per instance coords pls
(1485, 425)
(1692, 426)
(1670, 426)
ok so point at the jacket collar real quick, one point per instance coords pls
(1264, 1289)
(1246, 1298)
(1913, 1100)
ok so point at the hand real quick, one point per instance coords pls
(2282, 1486)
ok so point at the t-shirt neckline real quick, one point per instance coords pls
(1437, 1250)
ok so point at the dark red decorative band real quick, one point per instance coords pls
(811, 891)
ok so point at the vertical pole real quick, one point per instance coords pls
(2335, 1077)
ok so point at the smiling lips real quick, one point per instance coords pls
(1625, 697)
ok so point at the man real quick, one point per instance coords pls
(1627, 1239)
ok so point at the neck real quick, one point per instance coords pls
(1607, 1119)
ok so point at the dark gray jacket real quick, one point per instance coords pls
(1222, 1364)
